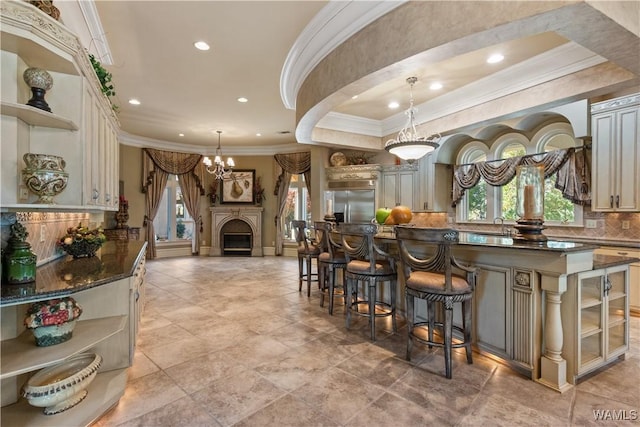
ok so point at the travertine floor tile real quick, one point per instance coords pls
(232, 342)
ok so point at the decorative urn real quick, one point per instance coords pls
(45, 176)
(52, 321)
(19, 263)
(40, 81)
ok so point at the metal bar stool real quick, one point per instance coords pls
(307, 252)
(431, 278)
(368, 263)
(329, 261)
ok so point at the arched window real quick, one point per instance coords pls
(484, 202)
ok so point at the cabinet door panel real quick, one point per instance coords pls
(627, 193)
(491, 305)
(389, 185)
(604, 160)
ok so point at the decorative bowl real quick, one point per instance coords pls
(53, 334)
(82, 248)
(62, 386)
(52, 321)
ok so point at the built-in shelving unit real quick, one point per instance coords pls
(20, 355)
(36, 117)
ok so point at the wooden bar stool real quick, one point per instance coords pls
(368, 263)
(329, 261)
(307, 252)
(431, 278)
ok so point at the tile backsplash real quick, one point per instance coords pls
(44, 228)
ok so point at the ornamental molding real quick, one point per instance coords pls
(24, 16)
(523, 279)
(612, 104)
(353, 172)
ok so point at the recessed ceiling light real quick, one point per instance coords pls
(495, 58)
(435, 86)
(258, 134)
(200, 45)
(181, 134)
(393, 105)
(134, 101)
(354, 97)
(243, 99)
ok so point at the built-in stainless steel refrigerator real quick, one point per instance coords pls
(356, 205)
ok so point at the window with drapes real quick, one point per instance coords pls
(484, 184)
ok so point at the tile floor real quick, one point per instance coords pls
(230, 341)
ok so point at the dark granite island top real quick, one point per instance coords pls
(66, 276)
(473, 239)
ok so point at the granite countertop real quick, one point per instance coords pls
(472, 239)
(65, 276)
(603, 242)
(606, 261)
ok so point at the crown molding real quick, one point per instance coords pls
(126, 138)
(334, 24)
(352, 124)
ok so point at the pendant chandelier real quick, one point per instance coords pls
(408, 145)
(217, 168)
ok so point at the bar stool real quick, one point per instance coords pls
(329, 261)
(431, 278)
(368, 263)
(307, 251)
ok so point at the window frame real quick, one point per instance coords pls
(493, 150)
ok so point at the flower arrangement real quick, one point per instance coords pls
(52, 321)
(258, 191)
(213, 193)
(81, 241)
(52, 312)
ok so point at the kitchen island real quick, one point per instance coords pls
(110, 289)
(530, 301)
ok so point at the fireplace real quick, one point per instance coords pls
(236, 231)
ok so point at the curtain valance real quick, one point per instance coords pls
(294, 163)
(572, 166)
(171, 163)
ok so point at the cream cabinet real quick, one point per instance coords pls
(634, 274)
(107, 326)
(599, 328)
(435, 184)
(82, 127)
(400, 186)
(616, 155)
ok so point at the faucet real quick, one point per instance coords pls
(502, 229)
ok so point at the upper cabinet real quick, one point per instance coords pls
(400, 186)
(81, 127)
(616, 155)
(435, 185)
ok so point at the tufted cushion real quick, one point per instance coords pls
(426, 281)
(337, 258)
(313, 250)
(362, 267)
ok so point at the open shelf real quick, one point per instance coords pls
(21, 355)
(36, 117)
(103, 393)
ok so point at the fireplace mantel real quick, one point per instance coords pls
(220, 215)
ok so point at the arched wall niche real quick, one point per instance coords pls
(537, 127)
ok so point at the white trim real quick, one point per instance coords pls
(353, 124)
(334, 24)
(98, 40)
(559, 62)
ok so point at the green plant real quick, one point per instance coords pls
(180, 229)
(103, 76)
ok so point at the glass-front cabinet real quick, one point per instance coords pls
(599, 331)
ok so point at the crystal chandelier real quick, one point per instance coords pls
(408, 145)
(219, 171)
